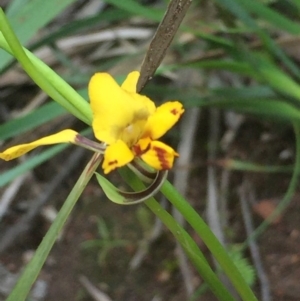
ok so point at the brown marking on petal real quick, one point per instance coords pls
(113, 162)
(177, 111)
(174, 111)
(138, 151)
(161, 155)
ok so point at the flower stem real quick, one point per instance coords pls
(33, 268)
(198, 224)
(187, 243)
(192, 250)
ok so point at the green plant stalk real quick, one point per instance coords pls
(44, 76)
(200, 291)
(187, 243)
(33, 268)
(20, 55)
(29, 164)
(191, 249)
(277, 78)
(287, 197)
(238, 165)
(218, 251)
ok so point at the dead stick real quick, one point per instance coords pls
(162, 39)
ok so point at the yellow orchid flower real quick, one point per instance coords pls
(126, 122)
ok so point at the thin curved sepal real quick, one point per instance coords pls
(142, 170)
(130, 198)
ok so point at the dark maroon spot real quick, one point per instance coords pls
(113, 162)
(138, 151)
(174, 112)
(161, 154)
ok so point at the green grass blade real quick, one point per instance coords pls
(44, 76)
(188, 244)
(30, 121)
(14, 6)
(28, 18)
(243, 68)
(238, 165)
(191, 249)
(236, 9)
(29, 164)
(109, 15)
(274, 76)
(33, 268)
(241, 13)
(218, 251)
(137, 9)
(270, 15)
(261, 107)
(259, 92)
(296, 3)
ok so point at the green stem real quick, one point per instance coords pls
(187, 243)
(238, 165)
(44, 76)
(192, 250)
(33, 268)
(198, 224)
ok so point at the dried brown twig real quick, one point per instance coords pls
(156, 52)
(245, 195)
(162, 39)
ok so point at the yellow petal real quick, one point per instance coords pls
(155, 153)
(114, 108)
(130, 82)
(163, 119)
(19, 150)
(116, 155)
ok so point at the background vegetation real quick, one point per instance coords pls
(235, 66)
